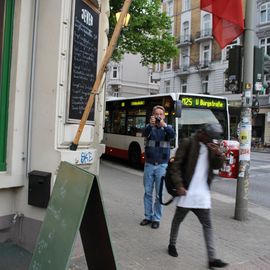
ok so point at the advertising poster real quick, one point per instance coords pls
(245, 141)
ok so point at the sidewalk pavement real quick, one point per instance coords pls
(244, 245)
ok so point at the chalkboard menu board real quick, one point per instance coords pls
(84, 59)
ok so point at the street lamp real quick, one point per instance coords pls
(126, 19)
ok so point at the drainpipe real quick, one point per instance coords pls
(31, 90)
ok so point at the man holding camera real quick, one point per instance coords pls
(157, 153)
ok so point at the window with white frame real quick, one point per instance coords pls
(115, 92)
(170, 8)
(157, 67)
(115, 72)
(205, 56)
(185, 5)
(185, 31)
(167, 86)
(206, 25)
(265, 44)
(265, 13)
(151, 79)
(170, 14)
(184, 58)
(184, 85)
(205, 84)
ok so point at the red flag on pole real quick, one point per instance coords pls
(228, 20)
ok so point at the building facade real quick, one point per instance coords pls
(49, 55)
(261, 124)
(129, 78)
(202, 67)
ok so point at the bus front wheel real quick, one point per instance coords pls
(134, 155)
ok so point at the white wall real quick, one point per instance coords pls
(41, 102)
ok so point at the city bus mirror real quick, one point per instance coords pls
(178, 108)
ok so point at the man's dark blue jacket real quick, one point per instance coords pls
(157, 145)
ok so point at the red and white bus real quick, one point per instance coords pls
(126, 118)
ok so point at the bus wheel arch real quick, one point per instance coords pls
(134, 154)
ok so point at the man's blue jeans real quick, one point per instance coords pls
(151, 179)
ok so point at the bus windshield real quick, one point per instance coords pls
(193, 118)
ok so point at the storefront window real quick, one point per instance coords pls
(6, 26)
(1, 31)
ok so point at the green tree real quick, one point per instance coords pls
(147, 32)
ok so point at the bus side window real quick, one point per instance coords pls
(119, 122)
(140, 125)
(123, 123)
(108, 125)
(131, 126)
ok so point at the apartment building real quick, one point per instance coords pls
(129, 78)
(202, 66)
(261, 123)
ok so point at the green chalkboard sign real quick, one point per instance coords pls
(75, 205)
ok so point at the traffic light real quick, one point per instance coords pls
(233, 82)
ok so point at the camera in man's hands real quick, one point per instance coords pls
(158, 120)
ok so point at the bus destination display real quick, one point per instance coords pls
(203, 102)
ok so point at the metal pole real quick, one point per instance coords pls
(100, 74)
(241, 206)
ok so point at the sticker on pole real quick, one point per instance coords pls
(244, 153)
(245, 140)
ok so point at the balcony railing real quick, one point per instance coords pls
(183, 69)
(184, 40)
(206, 64)
(204, 34)
(202, 65)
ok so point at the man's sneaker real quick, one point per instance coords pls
(216, 263)
(172, 251)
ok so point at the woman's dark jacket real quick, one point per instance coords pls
(185, 161)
